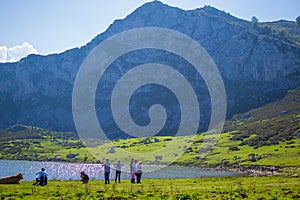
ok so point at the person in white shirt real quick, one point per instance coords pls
(106, 171)
(132, 171)
(138, 172)
(118, 166)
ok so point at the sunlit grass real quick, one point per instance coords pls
(197, 188)
(181, 150)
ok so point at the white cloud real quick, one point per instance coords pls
(17, 52)
(3, 53)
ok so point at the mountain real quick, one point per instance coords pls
(259, 63)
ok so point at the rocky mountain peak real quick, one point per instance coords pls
(258, 62)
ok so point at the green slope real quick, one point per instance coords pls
(269, 135)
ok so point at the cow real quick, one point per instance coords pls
(11, 179)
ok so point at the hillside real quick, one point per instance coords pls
(258, 63)
(269, 124)
(268, 135)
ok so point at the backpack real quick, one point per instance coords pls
(43, 180)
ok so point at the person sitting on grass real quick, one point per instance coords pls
(42, 178)
(84, 177)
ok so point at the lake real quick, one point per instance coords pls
(70, 171)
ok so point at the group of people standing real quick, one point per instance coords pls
(135, 171)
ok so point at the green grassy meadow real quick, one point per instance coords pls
(276, 187)
(178, 150)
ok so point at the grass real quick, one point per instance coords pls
(279, 155)
(181, 150)
(276, 187)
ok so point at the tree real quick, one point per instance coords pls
(254, 19)
(298, 20)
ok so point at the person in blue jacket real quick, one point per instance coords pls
(41, 178)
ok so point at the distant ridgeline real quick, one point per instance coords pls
(259, 62)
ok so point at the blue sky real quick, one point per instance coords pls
(50, 26)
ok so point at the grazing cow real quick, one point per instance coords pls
(11, 179)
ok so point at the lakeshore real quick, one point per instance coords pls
(70, 171)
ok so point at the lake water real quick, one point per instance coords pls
(70, 171)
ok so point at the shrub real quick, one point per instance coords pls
(234, 149)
